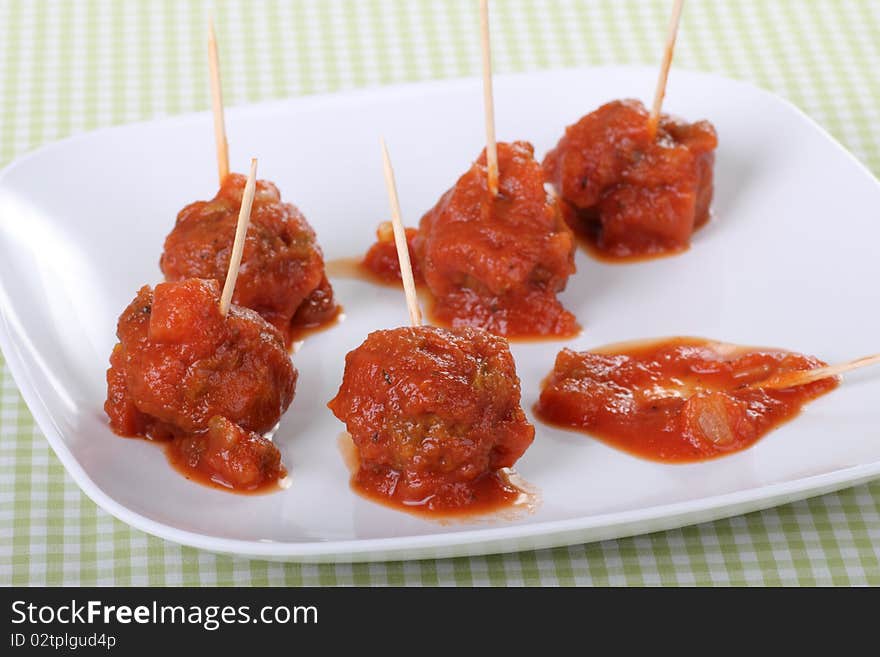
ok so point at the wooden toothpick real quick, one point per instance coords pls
(409, 285)
(802, 377)
(217, 105)
(244, 219)
(660, 91)
(488, 100)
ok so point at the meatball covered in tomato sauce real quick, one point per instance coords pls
(282, 268)
(434, 415)
(495, 263)
(629, 192)
(210, 384)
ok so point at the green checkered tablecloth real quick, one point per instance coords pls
(69, 66)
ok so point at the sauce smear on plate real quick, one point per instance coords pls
(675, 400)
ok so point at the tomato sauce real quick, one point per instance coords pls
(491, 493)
(435, 418)
(491, 263)
(677, 400)
(228, 458)
(628, 193)
(381, 259)
(209, 385)
(282, 268)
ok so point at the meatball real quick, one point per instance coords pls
(491, 263)
(183, 372)
(629, 193)
(432, 414)
(497, 263)
(282, 269)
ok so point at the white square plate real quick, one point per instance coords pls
(789, 260)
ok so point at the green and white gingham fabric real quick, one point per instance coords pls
(68, 66)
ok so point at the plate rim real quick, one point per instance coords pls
(502, 538)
